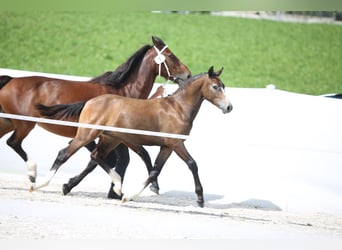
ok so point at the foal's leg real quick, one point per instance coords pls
(62, 157)
(104, 147)
(141, 151)
(118, 158)
(15, 140)
(83, 137)
(74, 181)
(162, 157)
(186, 157)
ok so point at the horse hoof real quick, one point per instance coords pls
(124, 200)
(200, 203)
(31, 189)
(112, 195)
(65, 189)
(154, 189)
(117, 191)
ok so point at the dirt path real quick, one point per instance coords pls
(87, 214)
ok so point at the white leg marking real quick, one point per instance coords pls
(116, 179)
(31, 168)
(126, 198)
(46, 182)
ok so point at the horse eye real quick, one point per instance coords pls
(215, 87)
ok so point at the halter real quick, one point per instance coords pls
(160, 59)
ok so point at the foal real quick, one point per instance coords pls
(172, 114)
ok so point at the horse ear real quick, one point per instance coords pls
(211, 71)
(158, 42)
(218, 73)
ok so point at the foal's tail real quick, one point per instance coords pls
(61, 111)
(4, 79)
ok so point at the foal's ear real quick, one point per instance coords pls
(211, 72)
(157, 41)
(218, 73)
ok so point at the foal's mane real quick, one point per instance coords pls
(118, 78)
(188, 81)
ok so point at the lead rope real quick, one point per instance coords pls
(160, 59)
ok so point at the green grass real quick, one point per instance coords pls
(304, 58)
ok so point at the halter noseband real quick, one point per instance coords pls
(160, 59)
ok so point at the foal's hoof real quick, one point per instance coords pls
(112, 195)
(117, 191)
(31, 189)
(154, 189)
(200, 203)
(65, 189)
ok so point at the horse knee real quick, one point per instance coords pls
(153, 175)
(192, 165)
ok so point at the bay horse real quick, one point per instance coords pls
(172, 114)
(134, 78)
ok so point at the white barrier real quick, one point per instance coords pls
(93, 126)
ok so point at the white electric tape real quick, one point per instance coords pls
(93, 126)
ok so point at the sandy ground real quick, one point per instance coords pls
(87, 214)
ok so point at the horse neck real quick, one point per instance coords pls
(140, 83)
(190, 98)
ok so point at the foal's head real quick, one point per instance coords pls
(169, 66)
(214, 91)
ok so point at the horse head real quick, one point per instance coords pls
(169, 66)
(214, 91)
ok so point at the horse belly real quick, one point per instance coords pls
(66, 131)
(139, 139)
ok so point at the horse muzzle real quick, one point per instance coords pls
(180, 78)
(227, 108)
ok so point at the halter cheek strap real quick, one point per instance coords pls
(160, 59)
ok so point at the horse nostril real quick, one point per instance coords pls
(230, 108)
(188, 76)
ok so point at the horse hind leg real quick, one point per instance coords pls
(62, 157)
(15, 142)
(144, 155)
(162, 157)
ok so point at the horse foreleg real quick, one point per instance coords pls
(162, 157)
(186, 157)
(74, 181)
(119, 156)
(102, 150)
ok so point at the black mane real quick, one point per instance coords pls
(118, 78)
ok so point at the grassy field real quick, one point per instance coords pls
(304, 58)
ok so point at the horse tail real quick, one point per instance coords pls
(4, 80)
(61, 111)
